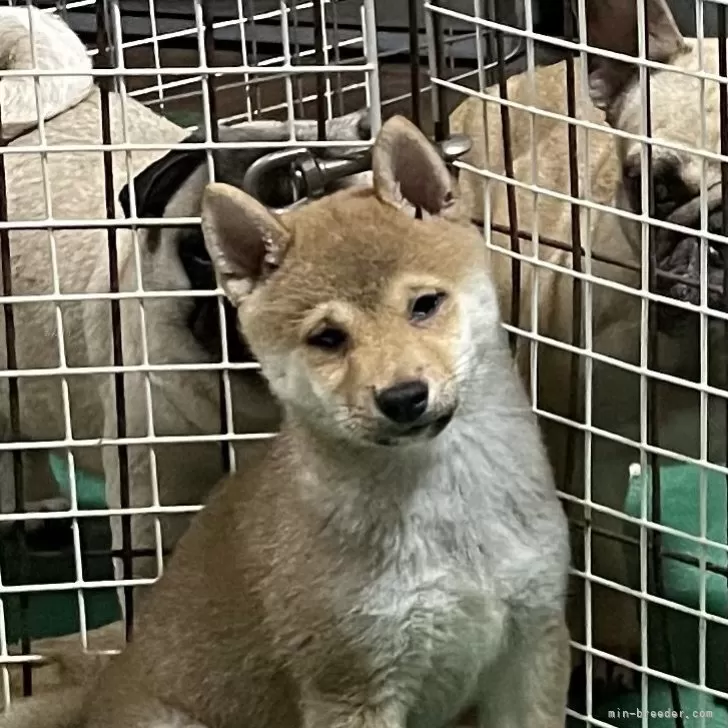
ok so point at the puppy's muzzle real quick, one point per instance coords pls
(678, 259)
(408, 412)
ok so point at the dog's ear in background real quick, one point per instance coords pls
(613, 25)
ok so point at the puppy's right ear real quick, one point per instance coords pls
(407, 169)
(613, 25)
(245, 240)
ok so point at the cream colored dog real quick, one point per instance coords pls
(613, 175)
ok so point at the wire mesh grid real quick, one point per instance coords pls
(622, 346)
(60, 181)
(540, 194)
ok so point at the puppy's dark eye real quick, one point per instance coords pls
(329, 338)
(426, 306)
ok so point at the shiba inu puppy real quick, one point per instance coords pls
(399, 553)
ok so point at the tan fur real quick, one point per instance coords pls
(55, 709)
(676, 111)
(341, 581)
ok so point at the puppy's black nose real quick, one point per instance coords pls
(403, 403)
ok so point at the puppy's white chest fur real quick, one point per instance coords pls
(458, 570)
(445, 623)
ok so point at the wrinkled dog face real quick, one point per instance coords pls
(359, 314)
(681, 115)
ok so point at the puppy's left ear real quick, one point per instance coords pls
(246, 241)
(407, 169)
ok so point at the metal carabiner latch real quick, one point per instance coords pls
(310, 176)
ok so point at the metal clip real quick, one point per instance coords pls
(312, 176)
(454, 147)
(282, 161)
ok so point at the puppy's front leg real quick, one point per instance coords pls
(531, 690)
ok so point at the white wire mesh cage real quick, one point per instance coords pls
(71, 151)
(128, 396)
(590, 178)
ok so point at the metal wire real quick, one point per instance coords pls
(649, 370)
(14, 408)
(414, 54)
(723, 108)
(577, 290)
(209, 50)
(318, 40)
(104, 60)
(515, 314)
(437, 67)
(656, 572)
(354, 53)
(262, 69)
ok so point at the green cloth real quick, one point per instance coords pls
(680, 510)
(90, 489)
(55, 613)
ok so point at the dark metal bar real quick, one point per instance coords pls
(336, 32)
(103, 60)
(441, 126)
(723, 103)
(14, 406)
(298, 79)
(694, 561)
(577, 284)
(208, 39)
(515, 316)
(607, 259)
(655, 573)
(254, 48)
(95, 553)
(414, 59)
(599, 257)
(318, 41)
